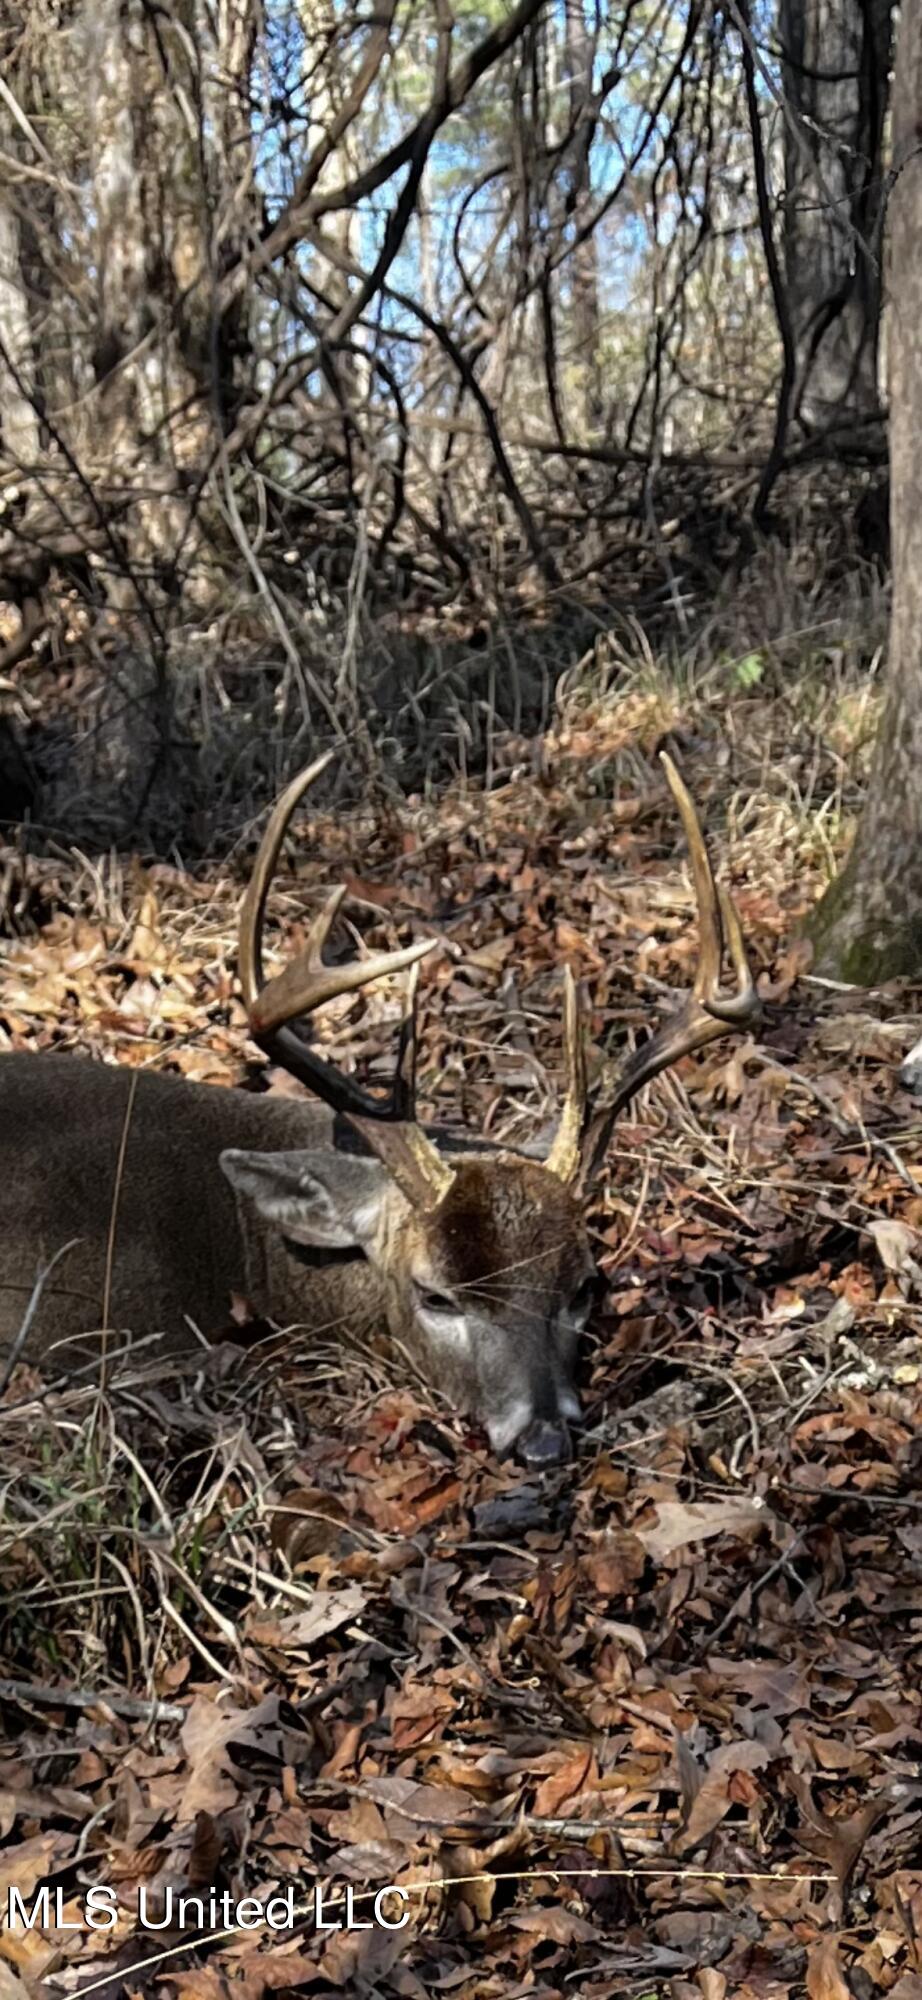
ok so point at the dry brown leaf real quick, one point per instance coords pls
(557, 1925)
(491, 957)
(613, 1567)
(357, 1960)
(26, 1864)
(682, 1522)
(418, 1710)
(327, 1611)
(838, 1842)
(306, 1519)
(895, 1244)
(12, 1986)
(207, 1735)
(146, 945)
(248, 1977)
(714, 1796)
(566, 1783)
(825, 1978)
(418, 1805)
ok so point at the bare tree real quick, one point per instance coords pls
(869, 925)
(306, 310)
(835, 68)
(579, 54)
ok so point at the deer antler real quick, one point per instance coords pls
(566, 1149)
(708, 1012)
(387, 1123)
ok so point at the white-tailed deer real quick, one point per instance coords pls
(340, 1216)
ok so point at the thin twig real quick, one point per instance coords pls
(113, 1223)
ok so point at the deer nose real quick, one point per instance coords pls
(544, 1445)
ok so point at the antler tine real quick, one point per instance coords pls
(743, 1005)
(404, 1091)
(307, 982)
(707, 1013)
(710, 929)
(249, 944)
(563, 1160)
(717, 921)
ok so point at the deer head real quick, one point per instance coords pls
(484, 1253)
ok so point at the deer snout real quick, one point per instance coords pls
(543, 1445)
(911, 1071)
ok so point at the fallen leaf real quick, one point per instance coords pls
(714, 1795)
(680, 1522)
(208, 1734)
(565, 1783)
(825, 1978)
(327, 1610)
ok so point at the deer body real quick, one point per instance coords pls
(340, 1217)
(223, 1191)
(183, 1241)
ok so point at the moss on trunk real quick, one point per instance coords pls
(863, 950)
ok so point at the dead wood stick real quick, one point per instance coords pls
(130, 1706)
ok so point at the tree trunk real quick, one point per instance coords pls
(868, 926)
(583, 264)
(348, 380)
(19, 433)
(835, 69)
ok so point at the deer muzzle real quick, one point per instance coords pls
(544, 1445)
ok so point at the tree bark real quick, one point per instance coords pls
(583, 263)
(348, 380)
(868, 927)
(20, 443)
(835, 70)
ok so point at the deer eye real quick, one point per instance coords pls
(434, 1302)
(583, 1300)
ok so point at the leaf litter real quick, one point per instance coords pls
(650, 1725)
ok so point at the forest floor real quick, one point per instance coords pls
(648, 1725)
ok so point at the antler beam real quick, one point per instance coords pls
(388, 1123)
(307, 982)
(709, 1012)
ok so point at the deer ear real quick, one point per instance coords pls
(329, 1201)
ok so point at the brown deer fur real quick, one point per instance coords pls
(507, 1244)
